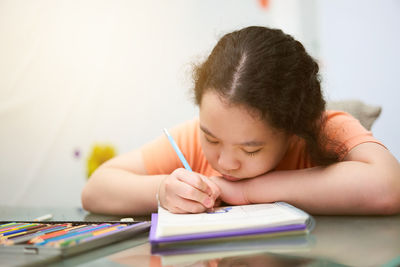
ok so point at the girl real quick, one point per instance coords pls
(263, 135)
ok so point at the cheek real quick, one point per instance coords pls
(209, 151)
(272, 159)
(261, 164)
(256, 166)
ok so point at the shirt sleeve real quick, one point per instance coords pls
(158, 155)
(347, 131)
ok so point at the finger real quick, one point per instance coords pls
(194, 179)
(217, 202)
(175, 190)
(177, 210)
(215, 190)
(189, 192)
(189, 206)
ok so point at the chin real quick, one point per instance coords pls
(235, 179)
(231, 178)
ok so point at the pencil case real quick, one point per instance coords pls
(64, 238)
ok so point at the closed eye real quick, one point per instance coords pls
(252, 153)
(210, 140)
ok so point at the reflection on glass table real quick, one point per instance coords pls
(140, 257)
(336, 241)
(193, 251)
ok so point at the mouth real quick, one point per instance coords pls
(230, 178)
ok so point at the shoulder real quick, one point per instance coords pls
(342, 123)
(343, 128)
(338, 115)
(186, 132)
(158, 155)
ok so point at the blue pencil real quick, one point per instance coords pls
(17, 229)
(25, 238)
(177, 150)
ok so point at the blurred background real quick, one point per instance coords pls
(76, 76)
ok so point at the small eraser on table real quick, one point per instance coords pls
(127, 220)
(45, 217)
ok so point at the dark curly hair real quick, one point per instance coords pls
(271, 73)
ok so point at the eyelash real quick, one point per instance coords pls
(211, 142)
(251, 154)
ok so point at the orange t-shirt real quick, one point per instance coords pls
(160, 158)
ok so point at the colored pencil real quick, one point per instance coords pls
(71, 234)
(60, 232)
(26, 238)
(27, 231)
(7, 225)
(11, 228)
(53, 230)
(56, 235)
(19, 229)
(177, 150)
(39, 229)
(77, 239)
(109, 233)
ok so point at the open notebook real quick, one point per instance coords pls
(245, 223)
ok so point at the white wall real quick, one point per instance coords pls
(73, 73)
(360, 55)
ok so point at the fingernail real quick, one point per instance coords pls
(208, 202)
(209, 191)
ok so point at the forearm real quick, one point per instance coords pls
(116, 191)
(347, 187)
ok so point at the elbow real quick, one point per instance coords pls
(391, 202)
(90, 194)
(387, 199)
(385, 189)
(388, 206)
(87, 199)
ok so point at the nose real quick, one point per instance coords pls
(227, 161)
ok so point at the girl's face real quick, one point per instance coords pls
(237, 144)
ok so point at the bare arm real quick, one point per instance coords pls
(123, 186)
(366, 182)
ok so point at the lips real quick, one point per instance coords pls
(230, 178)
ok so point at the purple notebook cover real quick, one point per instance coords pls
(209, 235)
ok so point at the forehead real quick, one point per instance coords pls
(224, 119)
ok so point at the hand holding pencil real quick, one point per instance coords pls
(185, 191)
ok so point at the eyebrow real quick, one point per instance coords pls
(248, 143)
